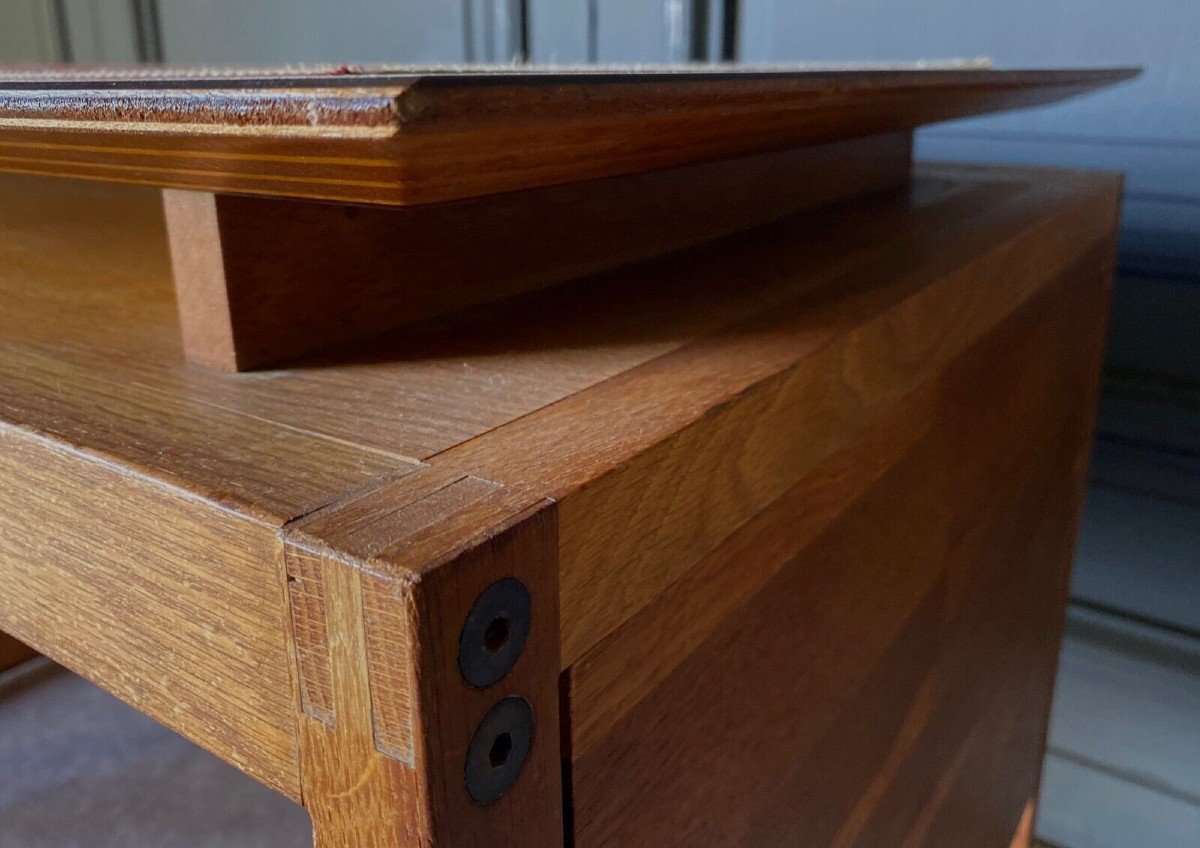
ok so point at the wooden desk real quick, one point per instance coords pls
(762, 542)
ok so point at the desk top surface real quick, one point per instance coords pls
(408, 136)
(549, 388)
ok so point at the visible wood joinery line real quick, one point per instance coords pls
(106, 430)
(371, 541)
(200, 154)
(386, 548)
(169, 488)
(732, 573)
(444, 503)
(393, 758)
(872, 413)
(97, 546)
(310, 632)
(358, 527)
(387, 624)
(458, 166)
(957, 528)
(596, 598)
(112, 171)
(390, 624)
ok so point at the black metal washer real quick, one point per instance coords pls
(494, 634)
(498, 750)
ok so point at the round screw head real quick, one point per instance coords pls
(498, 750)
(494, 634)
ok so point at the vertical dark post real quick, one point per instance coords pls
(729, 31)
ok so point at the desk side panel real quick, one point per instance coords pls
(170, 603)
(630, 533)
(885, 678)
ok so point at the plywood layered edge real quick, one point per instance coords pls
(424, 137)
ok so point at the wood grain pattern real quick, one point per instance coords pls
(423, 137)
(901, 698)
(260, 281)
(386, 769)
(851, 467)
(91, 361)
(726, 426)
(169, 603)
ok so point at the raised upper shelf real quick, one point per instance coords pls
(406, 136)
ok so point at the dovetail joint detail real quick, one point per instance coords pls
(306, 599)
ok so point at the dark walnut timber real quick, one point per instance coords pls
(720, 487)
(307, 211)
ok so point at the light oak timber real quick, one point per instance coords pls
(386, 767)
(168, 603)
(259, 280)
(905, 701)
(409, 135)
(365, 527)
(277, 564)
(259, 283)
(725, 426)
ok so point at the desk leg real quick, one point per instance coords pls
(391, 731)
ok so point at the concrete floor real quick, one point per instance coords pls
(78, 769)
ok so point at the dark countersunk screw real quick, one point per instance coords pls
(494, 634)
(498, 750)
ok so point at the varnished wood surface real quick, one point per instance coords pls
(881, 676)
(167, 602)
(384, 767)
(242, 556)
(420, 137)
(260, 281)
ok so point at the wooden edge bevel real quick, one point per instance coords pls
(260, 280)
(386, 718)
